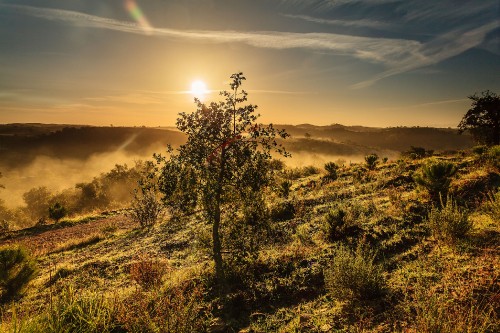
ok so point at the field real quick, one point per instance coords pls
(365, 250)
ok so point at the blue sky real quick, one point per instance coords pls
(368, 62)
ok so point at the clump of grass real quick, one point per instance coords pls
(75, 312)
(148, 273)
(61, 273)
(17, 269)
(78, 244)
(176, 309)
(354, 275)
(449, 223)
(492, 206)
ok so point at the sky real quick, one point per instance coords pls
(354, 62)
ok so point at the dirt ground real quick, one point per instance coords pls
(46, 239)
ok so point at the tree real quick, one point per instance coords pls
(225, 162)
(483, 118)
(37, 202)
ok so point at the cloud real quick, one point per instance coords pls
(398, 55)
(364, 23)
(442, 47)
(133, 98)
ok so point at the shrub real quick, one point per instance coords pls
(435, 177)
(282, 212)
(17, 269)
(331, 169)
(479, 150)
(449, 223)
(493, 205)
(416, 153)
(146, 208)
(371, 161)
(57, 211)
(335, 223)
(354, 275)
(285, 187)
(148, 273)
(493, 156)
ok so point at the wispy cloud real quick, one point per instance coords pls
(425, 105)
(381, 50)
(442, 47)
(364, 23)
(398, 55)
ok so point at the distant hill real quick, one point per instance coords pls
(398, 139)
(22, 143)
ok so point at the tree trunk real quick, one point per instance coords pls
(217, 246)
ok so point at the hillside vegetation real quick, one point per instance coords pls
(366, 247)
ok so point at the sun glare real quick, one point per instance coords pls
(199, 89)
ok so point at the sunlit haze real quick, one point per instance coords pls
(199, 89)
(367, 62)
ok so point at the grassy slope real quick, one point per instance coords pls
(430, 286)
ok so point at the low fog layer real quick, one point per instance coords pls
(59, 174)
(58, 157)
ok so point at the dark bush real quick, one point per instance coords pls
(371, 161)
(17, 269)
(331, 169)
(57, 211)
(282, 212)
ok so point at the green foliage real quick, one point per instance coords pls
(17, 269)
(331, 169)
(354, 275)
(75, 311)
(482, 120)
(225, 159)
(492, 205)
(284, 188)
(57, 211)
(435, 177)
(493, 156)
(146, 208)
(247, 232)
(336, 224)
(449, 223)
(371, 161)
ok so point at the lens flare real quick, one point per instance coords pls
(136, 13)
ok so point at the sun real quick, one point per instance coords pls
(199, 89)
